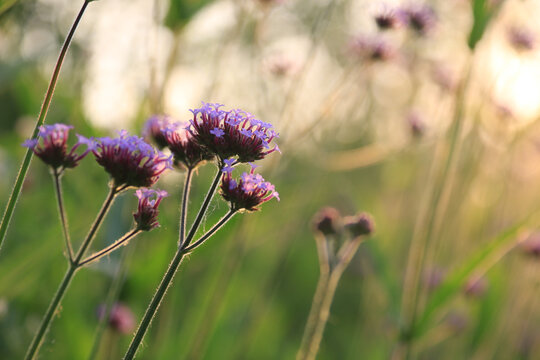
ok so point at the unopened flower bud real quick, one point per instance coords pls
(359, 225)
(327, 221)
(147, 212)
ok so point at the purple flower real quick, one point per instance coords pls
(231, 133)
(420, 18)
(186, 150)
(153, 129)
(248, 192)
(130, 160)
(521, 39)
(121, 318)
(53, 150)
(147, 212)
(372, 48)
(229, 163)
(389, 18)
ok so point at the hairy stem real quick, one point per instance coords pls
(58, 191)
(10, 207)
(34, 347)
(183, 210)
(128, 236)
(210, 232)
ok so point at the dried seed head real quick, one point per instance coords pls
(359, 225)
(327, 221)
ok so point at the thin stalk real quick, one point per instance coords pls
(10, 207)
(128, 236)
(154, 304)
(211, 232)
(310, 347)
(183, 210)
(203, 208)
(33, 349)
(58, 191)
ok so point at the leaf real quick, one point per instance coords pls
(483, 13)
(477, 264)
(181, 11)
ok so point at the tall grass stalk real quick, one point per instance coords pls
(10, 207)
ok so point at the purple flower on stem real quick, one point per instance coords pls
(153, 129)
(147, 212)
(130, 160)
(121, 318)
(232, 133)
(229, 163)
(187, 152)
(420, 18)
(53, 150)
(248, 192)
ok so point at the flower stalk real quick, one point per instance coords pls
(58, 191)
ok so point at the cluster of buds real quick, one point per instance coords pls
(248, 192)
(129, 160)
(53, 148)
(147, 210)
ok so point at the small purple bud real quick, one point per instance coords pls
(147, 212)
(327, 221)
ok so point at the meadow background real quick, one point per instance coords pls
(436, 135)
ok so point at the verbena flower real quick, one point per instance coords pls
(389, 18)
(53, 149)
(372, 48)
(121, 318)
(248, 192)
(421, 18)
(153, 130)
(185, 149)
(233, 133)
(130, 160)
(147, 212)
(521, 38)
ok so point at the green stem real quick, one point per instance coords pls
(73, 266)
(41, 118)
(110, 248)
(58, 190)
(183, 210)
(210, 232)
(154, 304)
(203, 208)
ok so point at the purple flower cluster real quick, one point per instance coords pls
(372, 48)
(186, 150)
(247, 192)
(147, 212)
(420, 18)
(153, 130)
(233, 133)
(522, 39)
(130, 160)
(53, 149)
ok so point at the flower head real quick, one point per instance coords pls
(232, 133)
(521, 39)
(372, 48)
(121, 318)
(53, 149)
(247, 192)
(153, 130)
(186, 150)
(388, 18)
(130, 160)
(420, 18)
(359, 225)
(147, 212)
(327, 221)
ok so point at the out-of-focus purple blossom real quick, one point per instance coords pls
(280, 65)
(121, 318)
(130, 161)
(444, 78)
(153, 129)
(232, 133)
(359, 225)
(420, 18)
(416, 123)
(433, 277)
(389, 18)
(531, 246)
(457, 322)
(476, 287)
(248, 192)
(187, 152)
(327, 221)
(53, 148)
(147, 211)
(521, 39)
(371, 48)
